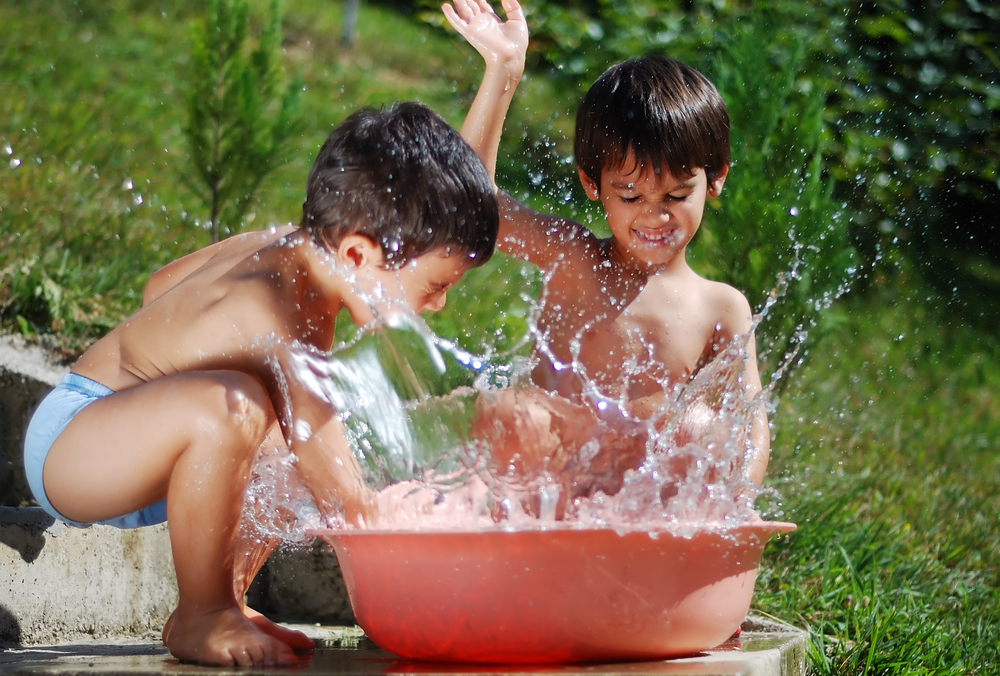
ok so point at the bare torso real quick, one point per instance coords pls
(634, 335)
(227, 306)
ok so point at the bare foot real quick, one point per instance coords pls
(222, 637)
(295, 640)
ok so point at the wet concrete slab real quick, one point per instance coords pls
(763, 649)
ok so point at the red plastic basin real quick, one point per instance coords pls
(558, 595)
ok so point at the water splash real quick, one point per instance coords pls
(495, 452)
(451, 440)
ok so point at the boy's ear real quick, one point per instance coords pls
(359, 252)
(715, 185)
(589, 186)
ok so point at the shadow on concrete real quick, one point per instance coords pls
(10, 628)
(23, 529)
(50, 653)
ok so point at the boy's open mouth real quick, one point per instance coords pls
(653, 238)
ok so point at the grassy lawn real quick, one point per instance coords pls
(886, 439)
(886, 457)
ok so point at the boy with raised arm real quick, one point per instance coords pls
(163, 418)
(626, 314)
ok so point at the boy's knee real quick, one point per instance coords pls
(241, 402)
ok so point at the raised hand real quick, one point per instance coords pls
(499, 42)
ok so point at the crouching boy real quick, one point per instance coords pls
(162, 419)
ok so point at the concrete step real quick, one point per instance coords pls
(60, 583)
(764, 648)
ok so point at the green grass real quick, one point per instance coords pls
(91, 102)
(886, 439)
(886, 455)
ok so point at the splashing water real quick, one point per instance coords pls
(496, 452)
(448, 440)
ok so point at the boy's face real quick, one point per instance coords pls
(652, 216)
(425, 280)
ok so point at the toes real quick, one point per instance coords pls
(259, 654)
(240, 657)
(284, 655)
(296, 640)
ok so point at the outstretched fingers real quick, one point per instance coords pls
(464, 13)
(492, 37)
(513, 10)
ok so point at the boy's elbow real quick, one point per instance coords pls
(757, 469)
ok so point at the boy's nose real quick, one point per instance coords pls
(662, 210)
(436, 303)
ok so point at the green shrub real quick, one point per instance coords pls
(776, 230)
(239, 123)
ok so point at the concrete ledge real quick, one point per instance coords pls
(59, 583)
(777, 651)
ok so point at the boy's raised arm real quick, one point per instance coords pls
(524, 232)
(503, 45)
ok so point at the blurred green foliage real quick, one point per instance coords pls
(240, 116)
(776, 230)
(918, 116)
(94, 164)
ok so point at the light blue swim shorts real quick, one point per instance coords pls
(58, 408)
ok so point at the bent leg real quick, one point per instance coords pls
(190, 438)
(253, 547)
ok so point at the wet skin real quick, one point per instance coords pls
(625, 313)
(195, 398)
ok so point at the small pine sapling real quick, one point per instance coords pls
(240, 117)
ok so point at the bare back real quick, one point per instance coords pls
(223, 306)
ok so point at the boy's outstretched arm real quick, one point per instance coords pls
(503, 45)
(315, 435)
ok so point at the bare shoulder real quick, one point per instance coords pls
(246, 243)
(730, 307)
(289, 288)
(235, 248)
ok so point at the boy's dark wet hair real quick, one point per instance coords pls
(404, 178)
(667, 113)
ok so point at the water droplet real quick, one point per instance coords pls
(15, 163)
(127, 184)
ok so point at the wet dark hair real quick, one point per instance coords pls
(667, 113)
(404, 178)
